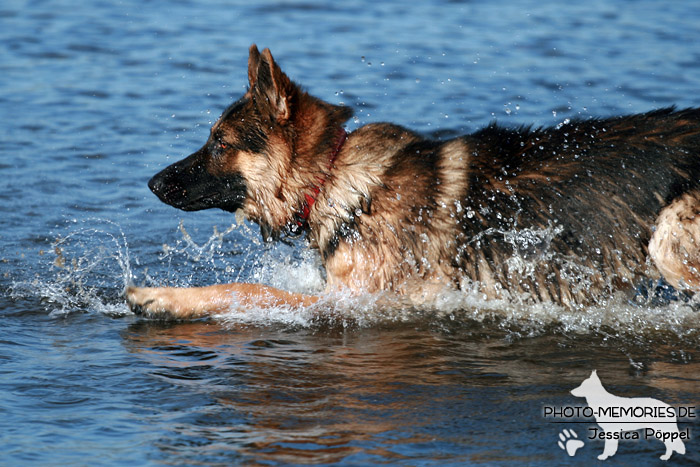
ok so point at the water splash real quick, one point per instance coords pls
(470, 313)
(192, 250)
(222, 259)
(618, 314)
(334, 310)
(88, 264)
(206, 259)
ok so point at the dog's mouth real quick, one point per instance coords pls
(197, 190)
(212, 200)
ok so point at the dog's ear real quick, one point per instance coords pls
(272, 88)
(253, 63)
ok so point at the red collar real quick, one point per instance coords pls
(302, 215)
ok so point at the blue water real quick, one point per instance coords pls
(95, 97)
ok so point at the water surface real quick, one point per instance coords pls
(95, 98)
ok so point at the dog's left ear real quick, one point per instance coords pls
(253, 64)
(270, 85)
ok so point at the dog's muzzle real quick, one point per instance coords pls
(187, 185)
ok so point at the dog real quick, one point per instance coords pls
(617, 415)
(569, 214)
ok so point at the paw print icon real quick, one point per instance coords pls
(569, 442)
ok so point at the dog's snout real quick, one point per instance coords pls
(189, 186)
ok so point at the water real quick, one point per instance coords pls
(96, 97)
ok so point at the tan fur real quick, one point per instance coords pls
(266, 179)
(198, 301)
(675, 245)
(377, 259)
(356, 172)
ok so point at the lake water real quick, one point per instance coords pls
(95, 97)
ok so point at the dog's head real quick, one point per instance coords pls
(590, 386)
(261, 154)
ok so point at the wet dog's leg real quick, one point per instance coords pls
(196, 302)
(675, 244)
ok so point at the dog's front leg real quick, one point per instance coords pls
(194, 302)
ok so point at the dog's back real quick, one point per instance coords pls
(561, 214)
(566, 214)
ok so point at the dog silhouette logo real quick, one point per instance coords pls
(622, 417)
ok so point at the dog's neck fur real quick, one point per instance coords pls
(318, 136)
(302, 216)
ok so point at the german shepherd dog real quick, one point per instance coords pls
(569, 214)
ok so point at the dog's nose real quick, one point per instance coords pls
(165, 186)
(156, 184)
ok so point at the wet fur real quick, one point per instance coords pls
(561, 214)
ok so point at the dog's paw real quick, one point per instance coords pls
(174, 302)
(569, 442)
(147, 300)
